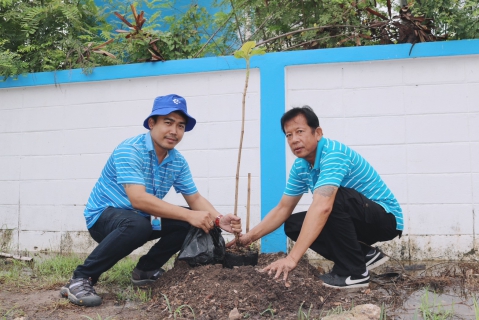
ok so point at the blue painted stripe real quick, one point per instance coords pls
(272, 150)
(280, 59)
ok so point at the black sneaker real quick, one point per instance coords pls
(80, 292)
(375, 258)
(142, 278)
(332, 280)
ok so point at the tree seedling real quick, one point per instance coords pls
(247, 51)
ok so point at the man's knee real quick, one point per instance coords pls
(293, 225)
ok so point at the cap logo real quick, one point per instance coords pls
(176, 101)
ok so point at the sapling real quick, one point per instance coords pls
(247, 51)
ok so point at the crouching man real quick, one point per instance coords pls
(352, 207)
(122, 209)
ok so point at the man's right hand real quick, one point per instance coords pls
(244, 240)
(202, 220)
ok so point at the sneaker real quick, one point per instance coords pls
(332, 280)
(80, 292)
(142, 278)
(375, 258)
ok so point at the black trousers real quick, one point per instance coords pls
(354, 218)
(119, 232)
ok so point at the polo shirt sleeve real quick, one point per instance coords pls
(128, 165)
(296, 184)
(334, 166)
(184, 183)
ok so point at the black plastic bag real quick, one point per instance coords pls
(200, 248)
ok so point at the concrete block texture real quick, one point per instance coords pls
(415, 120)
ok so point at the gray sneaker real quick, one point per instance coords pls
(143, 278)
(80, 292)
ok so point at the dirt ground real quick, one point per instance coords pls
(211, 292)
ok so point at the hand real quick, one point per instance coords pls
(202, 220)
(231, 223)
(283, 266)
(244, 240)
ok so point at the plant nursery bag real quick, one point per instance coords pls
(201, 248)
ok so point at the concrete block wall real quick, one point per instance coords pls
(55, 140)
(416, 122)
(413, 114)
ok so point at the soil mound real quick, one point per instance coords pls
(213, 291)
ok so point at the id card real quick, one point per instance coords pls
(155, 223)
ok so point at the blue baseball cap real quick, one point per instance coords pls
(167, 104)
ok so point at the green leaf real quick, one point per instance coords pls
(247, 47)
(258, 51)
(239, 55)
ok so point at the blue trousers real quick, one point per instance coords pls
(119, 232)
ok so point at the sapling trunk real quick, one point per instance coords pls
(246, 52)
(248, 202)
(238, 165)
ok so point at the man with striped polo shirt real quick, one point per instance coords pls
(138, 174)
(352, 207)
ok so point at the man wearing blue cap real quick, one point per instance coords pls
(138, 174)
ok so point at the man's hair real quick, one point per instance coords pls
(178, 112)
(306, 111)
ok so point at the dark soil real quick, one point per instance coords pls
(213, 291)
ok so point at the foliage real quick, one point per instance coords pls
(50, 35)
(47, 35)
(309, 24)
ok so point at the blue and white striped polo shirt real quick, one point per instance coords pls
(338, 165)
(134, 161)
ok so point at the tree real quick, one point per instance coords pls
(283, 25)
(49, 35)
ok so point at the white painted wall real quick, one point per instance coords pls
(417, 122)
(55, 140)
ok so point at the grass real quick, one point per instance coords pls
(11, 313)
(177, 310)
(433, 310)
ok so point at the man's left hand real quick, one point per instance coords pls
(231, 223)
(283, 266)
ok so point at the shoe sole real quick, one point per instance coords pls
(377, 263)
(353, 286)
(142, 283)
(65, 293)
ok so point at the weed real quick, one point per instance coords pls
(58, 268)
(167, 303)
(476, 307)
(382, 315)
(11, 313)
(120, 273)
(302, 315)
(134, 294)
(178, 310)
(270, 310)
(434, 310)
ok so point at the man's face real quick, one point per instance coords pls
(301, 138)
(167, 131)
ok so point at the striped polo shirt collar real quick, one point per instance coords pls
(319, 152)
(170, 156)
